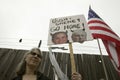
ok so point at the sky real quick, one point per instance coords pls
(29, 20)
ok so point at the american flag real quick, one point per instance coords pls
(111, 41)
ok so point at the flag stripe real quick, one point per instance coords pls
(105, 35)
(96, 20)
(100, 23)
(101, 28)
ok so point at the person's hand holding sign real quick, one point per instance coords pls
(76, 76)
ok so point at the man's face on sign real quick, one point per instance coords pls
(59, 38)
(79, 36)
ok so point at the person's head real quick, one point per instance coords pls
(32, 58)
(60, 38)
(79, 36)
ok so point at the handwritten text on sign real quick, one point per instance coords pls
(66, 23)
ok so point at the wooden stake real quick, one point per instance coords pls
(72, 58)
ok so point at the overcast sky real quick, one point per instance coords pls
(29, 20)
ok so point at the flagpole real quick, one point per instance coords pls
(102, 60)
(72, 58)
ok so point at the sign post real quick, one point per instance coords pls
(72, 58)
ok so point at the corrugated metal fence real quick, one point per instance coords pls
(89, 66)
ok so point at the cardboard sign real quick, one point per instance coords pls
(68, 29)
